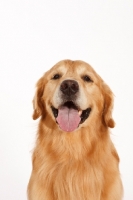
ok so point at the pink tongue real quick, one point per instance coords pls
(68, 119)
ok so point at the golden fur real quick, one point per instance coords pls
(77, 165)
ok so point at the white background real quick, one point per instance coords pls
(34, 35)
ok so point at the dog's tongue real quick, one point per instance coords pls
(68, 118)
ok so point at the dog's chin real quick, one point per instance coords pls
(69, 116)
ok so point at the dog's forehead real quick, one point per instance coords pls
(72, 67)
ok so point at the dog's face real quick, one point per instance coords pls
(73, 95)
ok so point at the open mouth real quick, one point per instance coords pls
(69, 116)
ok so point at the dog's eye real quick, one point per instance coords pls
(56, 76)
(87, 78)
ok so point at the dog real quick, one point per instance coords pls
(74, 157)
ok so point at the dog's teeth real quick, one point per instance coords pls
(80, 112)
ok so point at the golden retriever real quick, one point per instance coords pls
(74, 157)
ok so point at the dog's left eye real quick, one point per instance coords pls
(56, 76)
(87, 78)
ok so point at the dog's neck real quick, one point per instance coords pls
(76, 145)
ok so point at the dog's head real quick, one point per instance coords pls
(73, 95)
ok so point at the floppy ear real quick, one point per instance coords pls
(38, 105)
(108, 106)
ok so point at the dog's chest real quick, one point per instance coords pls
(73, 180)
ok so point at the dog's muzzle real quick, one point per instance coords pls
(69, 115)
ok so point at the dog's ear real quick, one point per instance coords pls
(38, 105)
(108, 106)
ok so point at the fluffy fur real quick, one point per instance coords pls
(78, 165)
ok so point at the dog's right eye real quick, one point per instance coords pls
(56, 76)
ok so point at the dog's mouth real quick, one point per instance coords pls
(69, 116)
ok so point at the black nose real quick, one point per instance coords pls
(69, 87)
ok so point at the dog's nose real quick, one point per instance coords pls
(69, 87)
